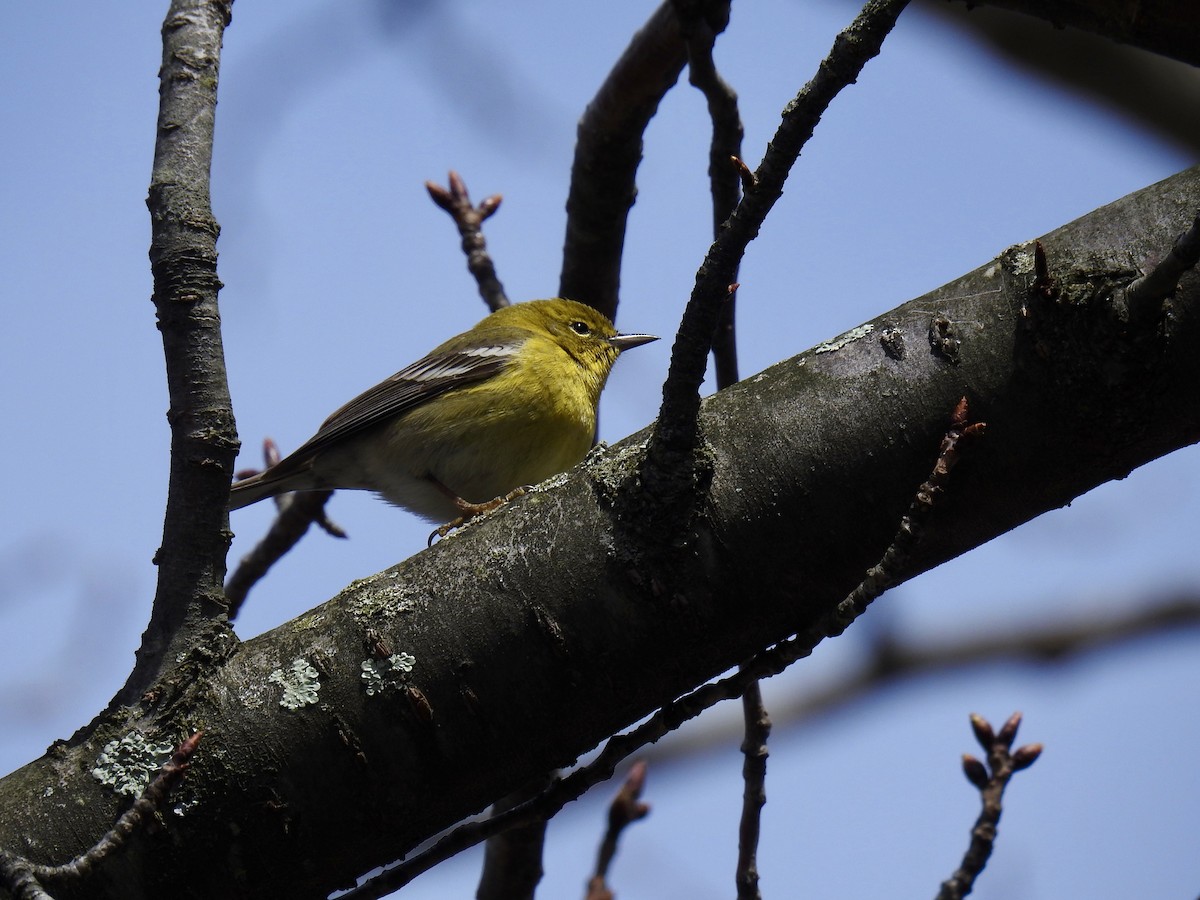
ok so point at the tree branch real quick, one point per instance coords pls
(512, 861)
(469, 219)
(1168, 29)
(25, 878)
(608, 151)
(183, 258)
(892, 661)
(625, 809)
(991, 782)
(668, 471)
(671, 715)
(521, 642)
(756, 727)
(1148, 90)
(296, 513)
(725, 148)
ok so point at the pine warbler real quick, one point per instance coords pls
(508, 403)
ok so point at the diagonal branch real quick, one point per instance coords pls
(892, 661)
(1168, 29)
(25, 878)
(675, 437)
(529, 641)
(296, 513)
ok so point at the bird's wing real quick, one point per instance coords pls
(429, 377)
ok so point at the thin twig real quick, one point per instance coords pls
(17, 876)
(667, 462)
(469, 219)
(757, 728)
(625, 809)
(895, 559)
(25, 878)
(991, 784)
(296, 513)
(700, 29)
(765, 664)
(891, 661)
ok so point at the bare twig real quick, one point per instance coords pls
(757, 728)
(701, 24)
(667, 463)
(296, 513)
(765, 664)
(895, 559)
(17, 876)
(469, 221)
(991, 784)
(25, 878)
(625, 809)
(700, 29)
(892, 661)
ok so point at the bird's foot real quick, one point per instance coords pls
(472, 511)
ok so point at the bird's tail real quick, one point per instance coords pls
(251, 490)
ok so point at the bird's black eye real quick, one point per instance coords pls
(580, 328)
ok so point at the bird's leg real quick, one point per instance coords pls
(468, 509)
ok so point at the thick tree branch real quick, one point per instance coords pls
(608, 152)
(1150, 91)
(524, 640)
(671, 715)
(1166, 28)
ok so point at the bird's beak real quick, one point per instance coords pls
(626, 341)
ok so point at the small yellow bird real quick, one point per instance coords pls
(508, 403)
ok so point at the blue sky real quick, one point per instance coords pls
(338, 271)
